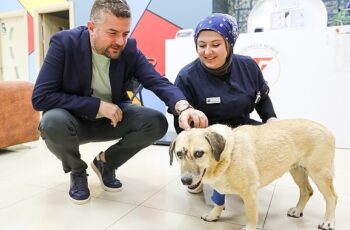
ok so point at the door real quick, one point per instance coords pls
(47, 21)
(52, 24)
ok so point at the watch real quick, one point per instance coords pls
(182, 108)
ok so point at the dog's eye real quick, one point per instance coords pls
(198, 154)
(179, 155)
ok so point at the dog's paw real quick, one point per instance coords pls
(327, 225)
(209, 217)
(214, 214)
(294, 212)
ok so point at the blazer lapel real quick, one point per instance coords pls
(86, 60)
(116, 77)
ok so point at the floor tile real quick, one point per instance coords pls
(175, 198)
(286, 197)
(12, 193)
(150, 219)
(51, 210)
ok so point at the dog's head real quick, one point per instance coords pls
(196, 151)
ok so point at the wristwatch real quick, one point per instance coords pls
(183, 107)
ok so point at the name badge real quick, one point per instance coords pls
(213, 100)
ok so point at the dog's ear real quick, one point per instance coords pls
(171, 152)
(217, 143)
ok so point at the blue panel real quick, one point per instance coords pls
(10, 5)
(137, 8)
(31, 67)
(82, 10)
(183, 13)
(152, 101)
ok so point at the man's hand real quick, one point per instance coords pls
(192, 115)
(111, 111)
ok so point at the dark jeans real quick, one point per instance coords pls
(64, 132)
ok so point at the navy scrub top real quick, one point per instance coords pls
(226, 99)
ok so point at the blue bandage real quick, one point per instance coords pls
(218, 198)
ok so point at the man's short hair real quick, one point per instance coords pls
(118, 8)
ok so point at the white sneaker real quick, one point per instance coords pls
(196, 190)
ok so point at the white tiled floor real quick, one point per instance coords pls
(34, 195)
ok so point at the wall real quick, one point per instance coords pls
(309, 76)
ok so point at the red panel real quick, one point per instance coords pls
(30, 33)
(151, 33)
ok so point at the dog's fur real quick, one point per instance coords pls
(244, 159)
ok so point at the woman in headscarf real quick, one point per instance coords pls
(227, 87)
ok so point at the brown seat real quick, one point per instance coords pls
(18, 120)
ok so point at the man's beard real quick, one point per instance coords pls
(108, 54)
(105, 52)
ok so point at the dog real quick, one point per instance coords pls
(246, 158)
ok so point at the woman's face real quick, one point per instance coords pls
(211, 48)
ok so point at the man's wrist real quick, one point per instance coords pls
(186, 107)
(182, 106)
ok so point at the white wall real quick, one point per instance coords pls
(308, 72)
(178, 53)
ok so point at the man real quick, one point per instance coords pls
(81, 88)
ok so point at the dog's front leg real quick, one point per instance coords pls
(214, 214)
(251, 209)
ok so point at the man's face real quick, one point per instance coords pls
(109, 37)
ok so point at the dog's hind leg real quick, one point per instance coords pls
(324, 182)
(300, 177)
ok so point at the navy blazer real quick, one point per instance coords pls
(64, 80)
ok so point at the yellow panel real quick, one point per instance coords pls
(30, 5)
(136, 101)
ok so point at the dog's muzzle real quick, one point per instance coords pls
(187, 180)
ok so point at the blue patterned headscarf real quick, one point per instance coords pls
(224, 24)
(227, 27)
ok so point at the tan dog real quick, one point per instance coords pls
(244, 159)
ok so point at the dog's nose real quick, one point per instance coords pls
(186, 180)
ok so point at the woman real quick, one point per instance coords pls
(227, 87)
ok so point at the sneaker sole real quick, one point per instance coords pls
(80, 201)
(101, 181)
